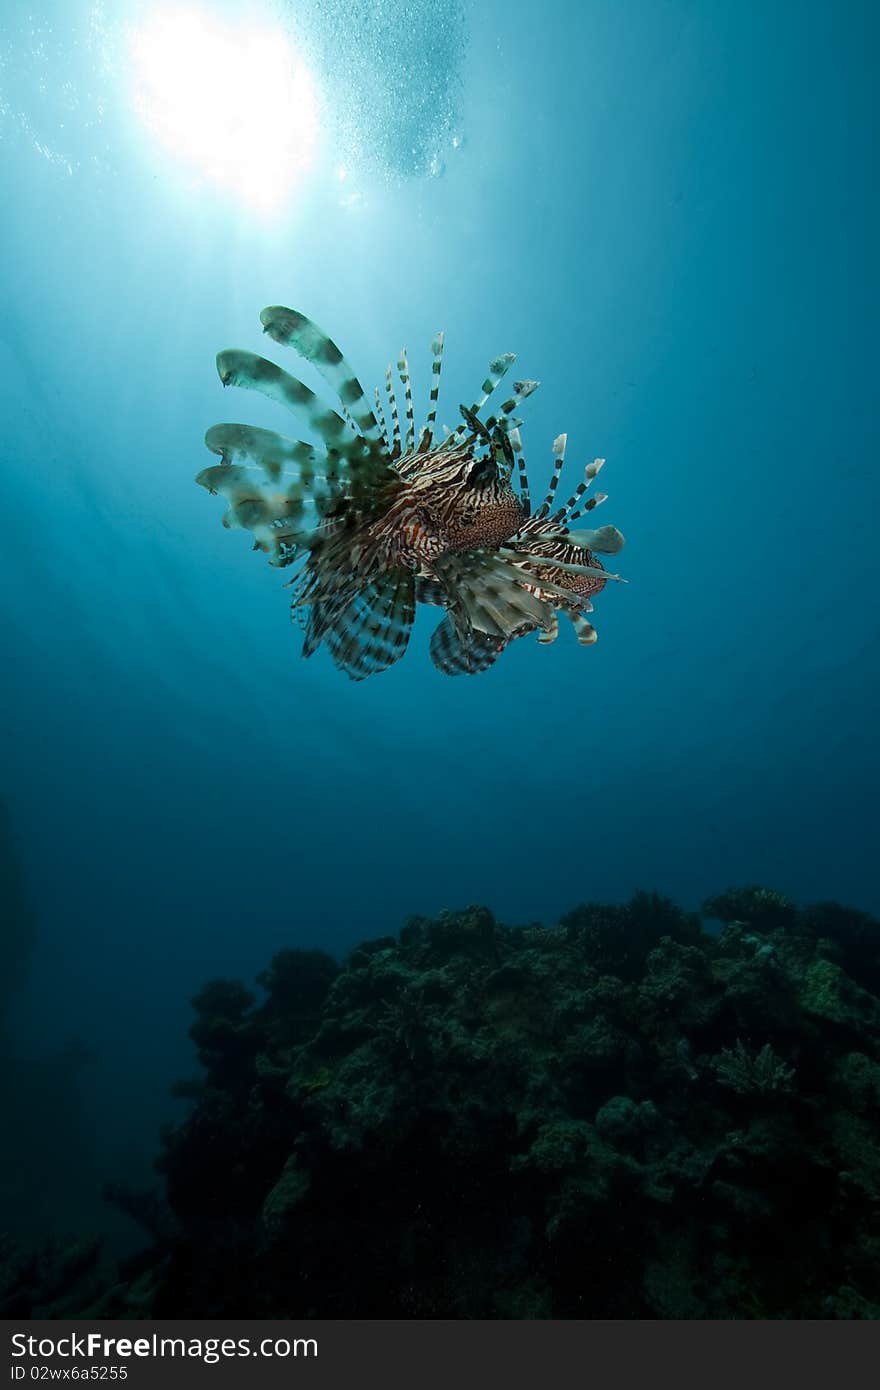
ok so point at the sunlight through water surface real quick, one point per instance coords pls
(231, 101)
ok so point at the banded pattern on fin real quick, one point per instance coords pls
(545, 638)
(559, 444)
(380, 416)
(586, 633)
(367, 631)
(290, 328)
(238, 368)
(280, 521)
(498, 369)
(521, 392)
(430, 591)
(590, 472)
(267, 450)
(457, 655)
(488, 593)
(525, 496)
(403, 368)
(396, 449)
(436, 364)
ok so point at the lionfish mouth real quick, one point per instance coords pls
(377, 517)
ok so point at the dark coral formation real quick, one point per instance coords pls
(624, 1115)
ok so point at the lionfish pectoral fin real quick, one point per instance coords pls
(273, 453)
(281, 518)
(463, 654)
(430, 591)
(290, 328)
(550, 634)
(586, 633)
(494, 595)
(362, 457)
(607, 540)
(368, 631)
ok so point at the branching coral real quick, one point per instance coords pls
(752, 1073)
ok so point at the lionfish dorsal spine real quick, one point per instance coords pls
(403, 369)
(427, 434)
(595, 501)
(497, 370)
(396, 450)
(522, 476)
(380, 416)
(568, 512)
(521, 392)
(559, 444)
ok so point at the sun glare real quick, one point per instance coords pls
(232, 101)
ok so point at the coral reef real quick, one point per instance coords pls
(622, 1115)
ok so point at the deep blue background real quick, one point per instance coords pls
(667, 209)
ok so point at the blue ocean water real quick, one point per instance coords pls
(665, 209)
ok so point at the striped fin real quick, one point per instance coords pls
(559, 444)
(550, 589)
(369, 631)
(590, 571)
(521, 392)
(591, 471)
(396, 450)
(430, 591)
(267, 450)
(502, 453)
(551, 634)
(280, 521)
(595, 501)
(293, 329)
(524, 494)
(606, 541)
(437, 351)
(474, 424)
(498, 369)
(380, 416)
(403, 368)
(492, 594)
(586, 633)
(238, 368)
(462, 655)
(589, 474)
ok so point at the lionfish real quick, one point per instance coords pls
(377, 521)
